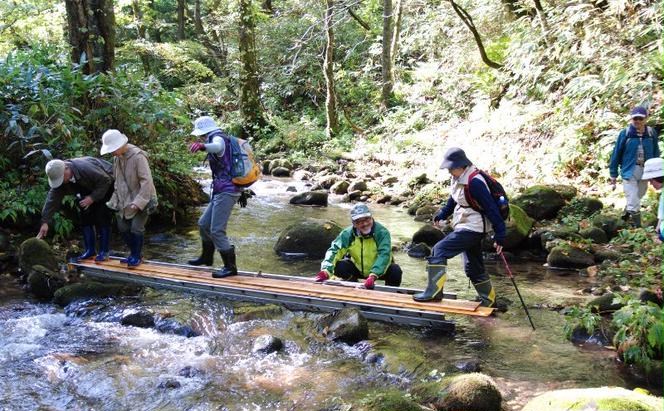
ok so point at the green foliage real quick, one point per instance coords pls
(583, 317)
(639, 337)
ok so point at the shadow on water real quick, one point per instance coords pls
(87, 360)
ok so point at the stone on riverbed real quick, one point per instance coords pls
(311, 198)
(267, 344)
(347, 325)
(597, 399)
(36, 252)
(91, 289)
(309, 239)
(566, 256)
(428, 235)
(540, 202)
(468, 392)
(44, 282)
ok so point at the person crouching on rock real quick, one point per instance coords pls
(470, 226)
(91, 180)
(363, 250)
(224, 194)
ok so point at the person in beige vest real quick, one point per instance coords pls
(135, 196)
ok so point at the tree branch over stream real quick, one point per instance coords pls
(468, 21)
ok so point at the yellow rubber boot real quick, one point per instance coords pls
(486, 292)
(434, 291)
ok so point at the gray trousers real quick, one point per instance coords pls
(635, 189)
(214, 220)
(135, 225)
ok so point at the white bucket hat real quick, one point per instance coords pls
(653, 168)
(55, 171)
(204, 125)
(112, 140)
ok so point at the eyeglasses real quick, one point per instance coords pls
(638, 118)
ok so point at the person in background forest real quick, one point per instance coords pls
(91, 180)
(363, 250)
(636, 144)
(224, 194)
(469, 225)
(653, 171)
(135, 196)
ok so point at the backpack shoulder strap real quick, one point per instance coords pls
(466, 191)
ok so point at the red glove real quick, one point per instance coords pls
(322, 276)
(369, 282)
(196, 146)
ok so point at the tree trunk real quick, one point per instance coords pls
(250, 107)
(91, 32)
(157, 30)
(332, 117)
(398, 14)
(138, 17)
(181, 19)
(215, 46)
(468, 21)
(386, 57)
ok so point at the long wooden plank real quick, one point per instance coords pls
(304, 288)
(307, 288)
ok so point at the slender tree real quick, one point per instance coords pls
(386, 56)
(182, 5)
(91, 33)
(250, 107)
(138, 18)
(468, 21)
(213, 42)
(332, 117)
(398, 15)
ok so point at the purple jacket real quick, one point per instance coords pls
(221, 166)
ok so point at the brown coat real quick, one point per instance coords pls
(133, 182)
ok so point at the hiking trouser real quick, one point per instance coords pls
(134, 225)
(98, 214)
(635, 189)
(213, 222)
(347, 271)
(467, 243)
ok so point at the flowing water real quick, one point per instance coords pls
(83, 359)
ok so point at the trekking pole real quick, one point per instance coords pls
(511, 277)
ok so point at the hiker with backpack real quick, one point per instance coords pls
(233, 168)
(636, 144)
(477, 203)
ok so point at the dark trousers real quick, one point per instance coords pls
(97, 214)
(468, 243)
(347, 271)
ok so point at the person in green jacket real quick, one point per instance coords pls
(361, 251)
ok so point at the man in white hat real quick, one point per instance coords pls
(223, 196)
(635, 145)
(91, 180)
(135, 196)
(361, 251)
(653, 170)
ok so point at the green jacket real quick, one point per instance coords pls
(370, 254)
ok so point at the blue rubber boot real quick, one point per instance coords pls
(127, 240)
(136, 257)
(104, 240)
(88, 244)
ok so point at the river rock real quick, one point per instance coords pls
(609, 223)
(601, 336)
(267, 344)
(426, 212)
(389, 181)
(383, 198)
(189, 372)
(566, 256)
(307, 239)
(33, 252)
(596, 399)
(428, 235)
(419, 250)
(419, 180)
(171, 326)
(328, 181)
(265, 167)
(596, 234)
(358, 185)
(347, 325)
(540, 202)
(472, 365)
(281, 172)
(582, 206)
(249, 312)
(604, 304)
(169, 384)
(468, 392)
(91, 289)
(44, 282)
(604, 252)
(646, 296)
(566, 191)
(140, 318)
(550, 234)
(302, 175)
(340, 187)
(311, 198)
(392, 400)
(280, 163)
(517, 227)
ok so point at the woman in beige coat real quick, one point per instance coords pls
(134, 197)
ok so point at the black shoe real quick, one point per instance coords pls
(434, 291)
(207, 255)
(230, 268)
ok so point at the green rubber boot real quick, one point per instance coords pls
(486, 292)
(434, 291)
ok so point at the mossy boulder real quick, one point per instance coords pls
(582, 207)
(611, 224)
(540, 202)
(567, 192)
(280, 163)
(419, 250)
(309, 239)
(347, 325)
(567, 256)
(517, 227)
(310, 198)
(428, 235)
(91, 289)
(328, 181)
(44, 282)
(34, 252)
(467, 392)
(560, 232)
(598, 399)
(596, 234)
(280, 172)
(604, 304)
(358, 185)
(393, 400)
(250, 312)
(340, 187)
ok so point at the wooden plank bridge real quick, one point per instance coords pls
(389, 304)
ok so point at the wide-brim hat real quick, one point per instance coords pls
(653, 168)
(55, 171)
(112, 140)
(204, 125)
(455, 158)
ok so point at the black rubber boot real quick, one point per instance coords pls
(434, 291)
(89, 242)
(104, 240)
(486, 292)
(230, 268)
(207, 255)
(635, 219)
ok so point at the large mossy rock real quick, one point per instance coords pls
(428, 235)
(44, 282)
(467, 392)
(347, 325)
(567, 192)
(392, 400)
(36, 252)
(611, 224)
(540, 202)
(91, 289)
(279, 163)
(311, 198)
(582, 207)
(596, 234)
(566, 256)
(596, 399)
(517, 227)
(340, 187)
(309, 239)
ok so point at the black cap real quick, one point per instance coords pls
(455, 158)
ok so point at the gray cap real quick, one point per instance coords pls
(55, 171)
(359, 211)
(455, 158)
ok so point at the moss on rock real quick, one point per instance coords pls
(392, 400)
(468, 392)
(599, 399)
(254, 312)
(34, 252)
(91, 289)
(540, 202)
